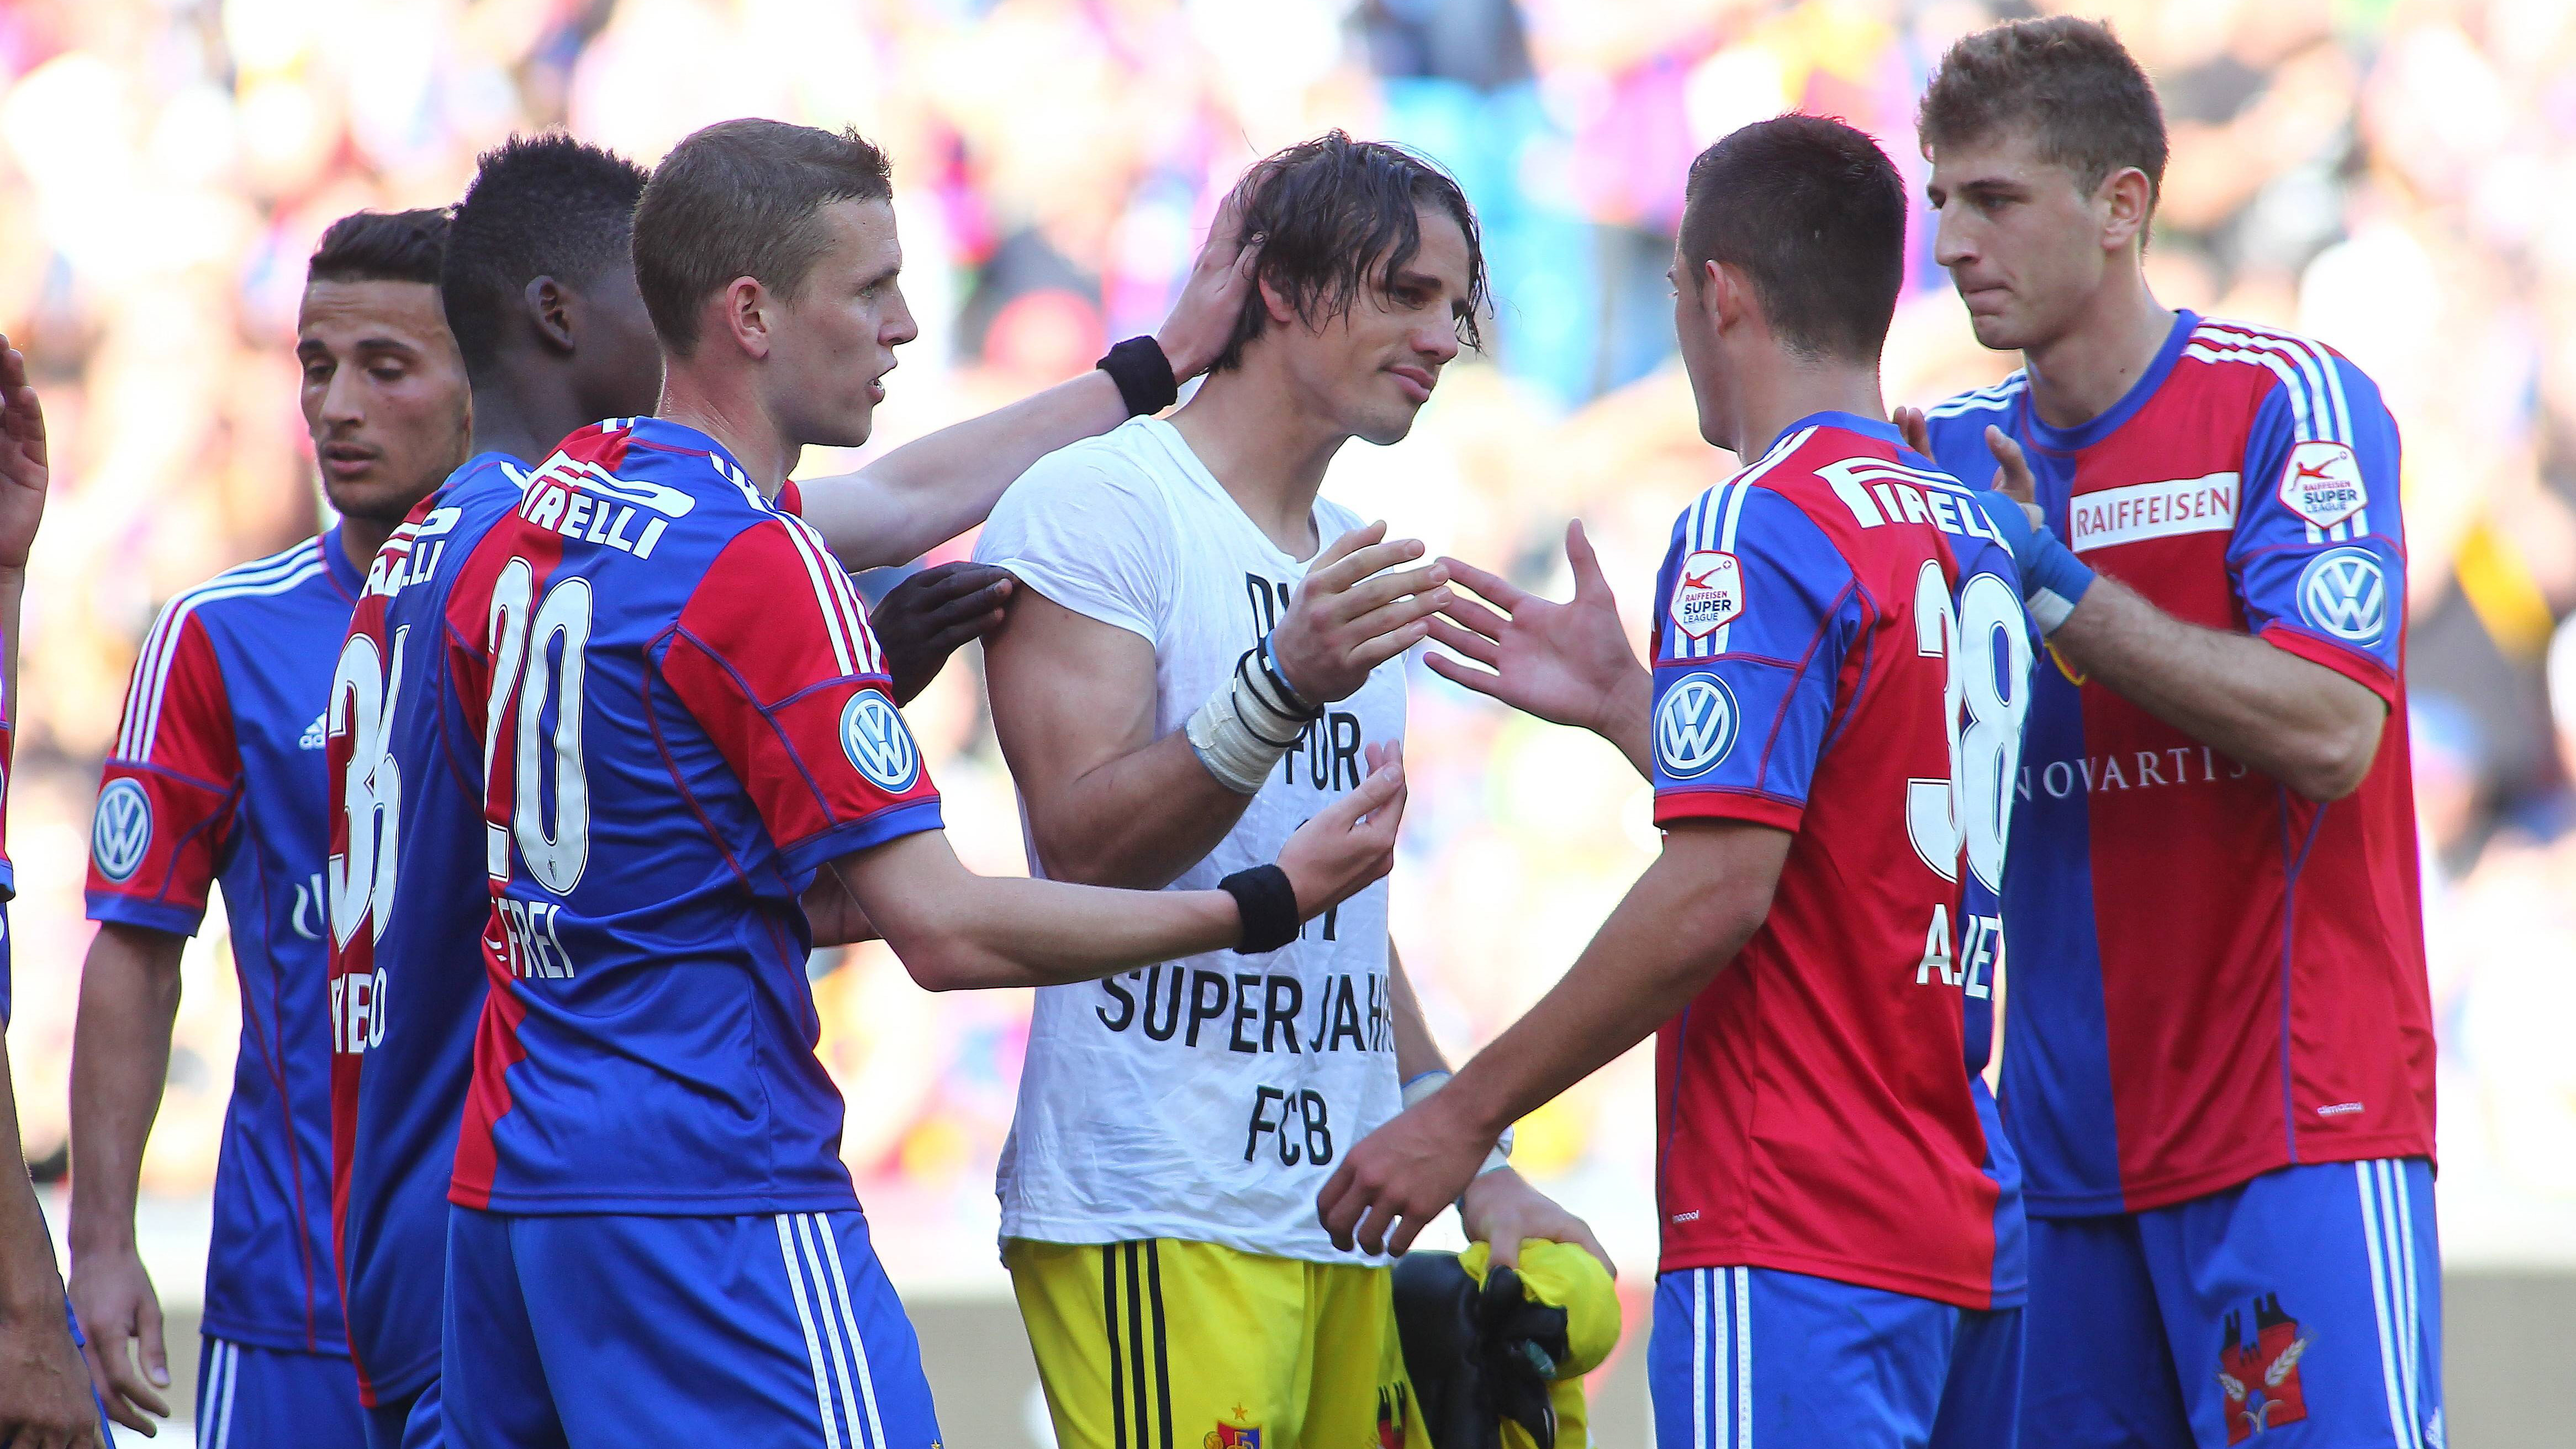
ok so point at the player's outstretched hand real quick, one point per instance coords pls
(23, 469)
(1502, 1211)
(923, 620)
(1355, 610)
(1211, 302)
(1400, 1177)
(44, 1393)
(1351, 842)
(1915, 428)
(1568, 663)
(2012, 473)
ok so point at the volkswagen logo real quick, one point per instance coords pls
(2344, 592)
(879, 746)
(122, 834)
(1694, 725)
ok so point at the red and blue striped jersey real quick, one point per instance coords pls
(684, 714)
(218, 775)
(1841, 653)
(410, 903)
(2214, 977)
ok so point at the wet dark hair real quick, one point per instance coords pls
(1814, 214)
(2068, 80)
(539, 206)
(381, 246)
(743, 199)
(1335, 216)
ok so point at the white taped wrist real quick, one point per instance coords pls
(1241, 732)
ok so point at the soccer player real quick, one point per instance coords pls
(541, 294)
(685, 722)
(2221, 1076)
(1200, 653)
(45, 1398)
(217, 776)
(1841, 664)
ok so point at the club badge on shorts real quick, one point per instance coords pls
(2260, 1375)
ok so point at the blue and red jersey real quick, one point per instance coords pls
(1841, 653)
(685, 715)
(218, 775)
(2213, 977)
(407, 957)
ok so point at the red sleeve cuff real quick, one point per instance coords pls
(2352, 664)
(1676, 805)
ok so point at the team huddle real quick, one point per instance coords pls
(532, 783)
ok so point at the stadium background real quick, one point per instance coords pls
(2397, 177)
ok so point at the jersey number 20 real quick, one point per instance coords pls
(527, 639)
(1984, 643)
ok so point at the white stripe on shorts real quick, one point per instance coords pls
(2375, 1243)
(805, 1319)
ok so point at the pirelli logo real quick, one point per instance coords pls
(2137, 512)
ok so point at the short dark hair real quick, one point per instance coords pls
(1334, 215)
(381, 246)
(743, 199)
(2068, 79)
(539, 206)
(1814, 214)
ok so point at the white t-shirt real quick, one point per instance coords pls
(1206, 1099)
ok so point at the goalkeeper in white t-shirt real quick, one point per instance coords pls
(1200, 654)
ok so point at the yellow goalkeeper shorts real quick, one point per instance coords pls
(1165, 1344)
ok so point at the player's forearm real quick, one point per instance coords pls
(955, 930)
(936, 487)
(1676, 929)
(13, 595)
(1416, 1051)
(1009, 931)
(30, 1286)
(129, 998)
(2293, 719)
(1136, 822)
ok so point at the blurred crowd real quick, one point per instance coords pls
(2397, 177)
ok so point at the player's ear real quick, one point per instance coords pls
(2126, 200)
(1275, 302)
(1726, 292)
(549, 309)
(745, 310)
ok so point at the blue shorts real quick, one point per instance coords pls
(1746, 1357)
(250, 1397)
(593, 1331)
(410, 1422)
(2310, 1296)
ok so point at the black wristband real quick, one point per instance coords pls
(1269, 906)
(1143, 374)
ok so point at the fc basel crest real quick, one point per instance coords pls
(2260, 1375)
(1232, 1436)
(1708, 594)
